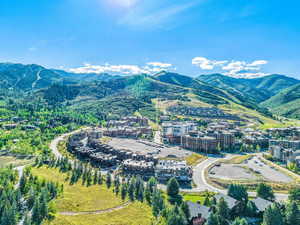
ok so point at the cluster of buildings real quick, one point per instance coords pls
(287, 132)
(287, 151)
(206, 112)
(283, 143)
(255, 138)
(87, 145)
(186, 134)
(128, 127)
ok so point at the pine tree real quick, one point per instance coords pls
(22, 184)
(108, 180)
(176, 217)
(158, 204)
(150, 187)
(294, 195)
(43, 204)
(100, 180)
(272, 216)
(222, 212)
(123, 191)
(251, 209)
(173, 191)
(265, 191)
(206, 201)
(131, 189)
(238, 192)
(36, 214)
(292, 214)
(185, 209)
(212, 220)
(95, 177)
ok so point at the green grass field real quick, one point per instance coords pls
(196, 197)
(78, 198)
(134, 214)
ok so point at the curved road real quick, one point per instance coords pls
(54, 143)
(198, 171)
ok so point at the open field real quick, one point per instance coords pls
(195, 159)
(14, 161)
(76, 197)
(81, 199)
(196, 197)
(135, 214)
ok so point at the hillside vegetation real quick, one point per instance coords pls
(110, 96)
(257, 89)
(286, 102)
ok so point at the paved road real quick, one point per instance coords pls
(198, 171)
(54, 143)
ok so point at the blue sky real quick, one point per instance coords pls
(244, 38)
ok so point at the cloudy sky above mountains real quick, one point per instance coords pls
(239, 38)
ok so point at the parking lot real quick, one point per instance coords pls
(252, 169)
(266, 171)
(147, 147)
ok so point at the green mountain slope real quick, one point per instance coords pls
(286, 102)
(255, 90)
(106, 95)
(210, 92)
(26, 77)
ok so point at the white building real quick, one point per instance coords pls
(178, 128)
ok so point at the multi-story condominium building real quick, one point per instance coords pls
(166, 169)
(285, 132)
(295, 145)
(172, 131)
(224, 138)
(200, 144)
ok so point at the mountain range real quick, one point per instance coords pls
(278, 94)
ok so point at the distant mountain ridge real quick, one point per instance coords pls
(26, 77)
(33, 77)
(257, 89)
(86, 90)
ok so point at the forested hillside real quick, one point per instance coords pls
(104, 95)
(286, 102)
(26, 77)
(257, 89)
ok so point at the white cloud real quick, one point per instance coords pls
(207, 64)
(240, 69)
(149, 68)
(258, 63)
(159, 64)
